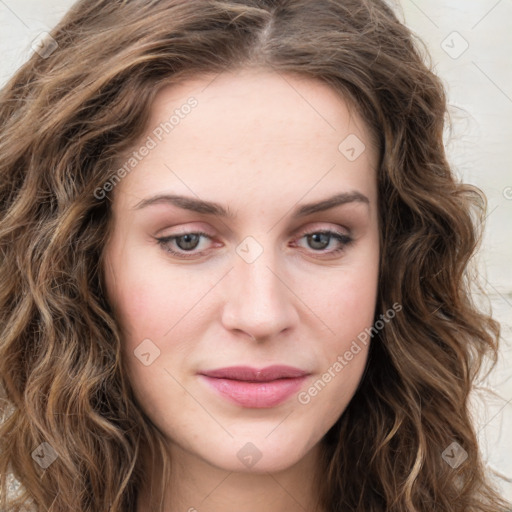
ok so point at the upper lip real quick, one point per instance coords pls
(246, 373)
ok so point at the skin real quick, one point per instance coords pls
(261, 144)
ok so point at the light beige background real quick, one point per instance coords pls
(471, 47)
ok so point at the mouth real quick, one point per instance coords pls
(255, 388)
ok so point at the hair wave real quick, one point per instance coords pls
(66, 119)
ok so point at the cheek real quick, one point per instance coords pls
(143, 296)
(154, 302)
(348, 309)
(346, 304)
(147, 307)
(138, 303)
(356, 301)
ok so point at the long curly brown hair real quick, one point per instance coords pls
(67, 115)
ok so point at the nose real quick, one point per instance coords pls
(258, 299)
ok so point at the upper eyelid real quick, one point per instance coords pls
(298, 232)
(314, 226)
(299, 235)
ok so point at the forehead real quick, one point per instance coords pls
(269, 104)
(250, 129)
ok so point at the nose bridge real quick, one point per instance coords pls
(258, 301)
(258, 278)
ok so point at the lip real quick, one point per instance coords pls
(255, 388)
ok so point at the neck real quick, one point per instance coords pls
(197, 485)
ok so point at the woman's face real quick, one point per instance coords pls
(281, 181)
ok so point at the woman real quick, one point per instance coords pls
(234, 265)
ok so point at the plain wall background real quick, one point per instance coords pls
(471, 48)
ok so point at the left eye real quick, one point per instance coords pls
(321, 239)
(187, 242)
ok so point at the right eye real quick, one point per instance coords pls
(186, 242)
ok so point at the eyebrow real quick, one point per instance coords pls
(212, 208)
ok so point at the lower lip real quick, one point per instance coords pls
(257, 395)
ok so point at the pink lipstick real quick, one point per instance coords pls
(253, 388)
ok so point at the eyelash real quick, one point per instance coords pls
(344, 240)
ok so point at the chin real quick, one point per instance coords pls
(255, 454)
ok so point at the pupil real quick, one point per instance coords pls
(321, 238)
(189, 241)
